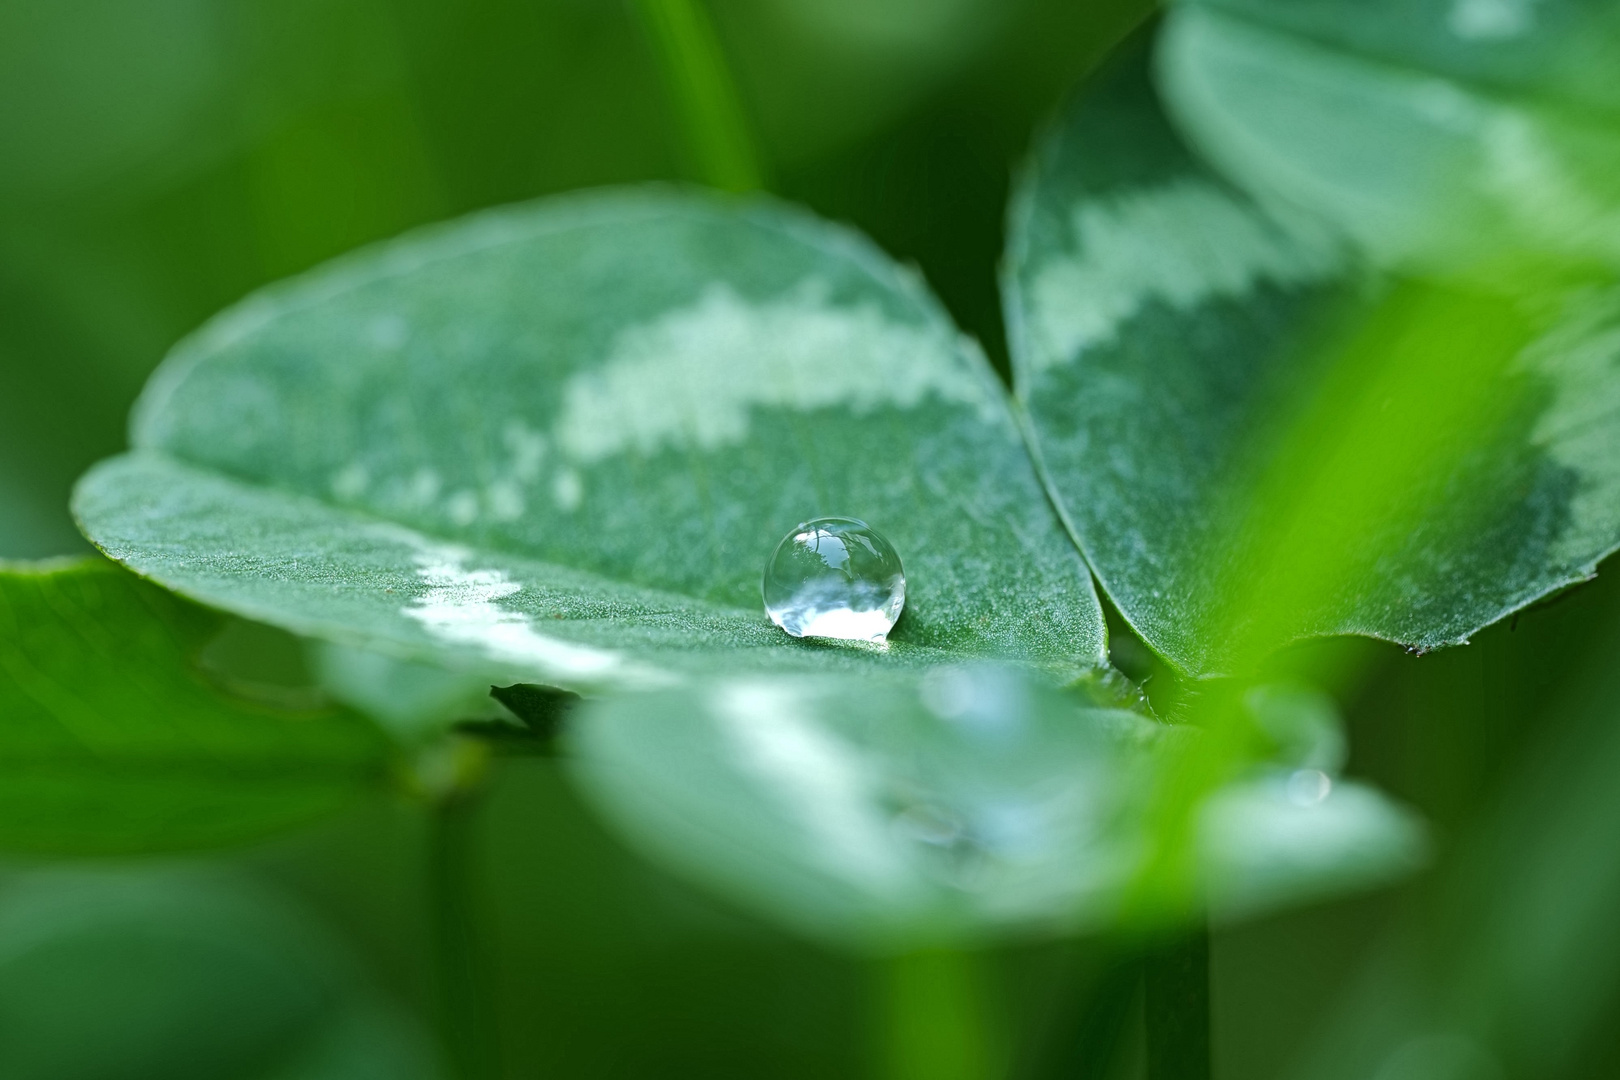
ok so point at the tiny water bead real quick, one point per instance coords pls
(835, 577)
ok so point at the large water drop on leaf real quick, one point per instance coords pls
(835, 578)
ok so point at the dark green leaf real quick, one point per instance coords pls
(111, 741)
(186, 976)
(1256, 440)
(558, 442)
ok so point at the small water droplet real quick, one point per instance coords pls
(1307, 787)
(835, 578)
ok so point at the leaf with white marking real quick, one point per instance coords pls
(557, 443)
(1257, 440)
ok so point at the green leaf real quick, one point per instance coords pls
(557, 443)
(1256, 439)
(188, 976)
(1558, 51)
(1465, 138)
(971, 806)
(110, 740)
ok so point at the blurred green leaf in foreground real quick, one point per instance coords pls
(973, 806)
(112, 741)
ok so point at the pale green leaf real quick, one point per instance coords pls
(1289, 836)
(1467, 138)
(558, 442)
(972, 806)
(112, 741)
(1558, 51)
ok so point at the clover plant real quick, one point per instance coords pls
(1314, 332)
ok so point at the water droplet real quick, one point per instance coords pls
(1307, 787)
(835, 578)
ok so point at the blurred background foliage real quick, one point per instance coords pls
(159, 160)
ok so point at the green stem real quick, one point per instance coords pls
(467, 1024)
(1176, 983)
(1085, 1037)
(704, 94)
(933, 1018)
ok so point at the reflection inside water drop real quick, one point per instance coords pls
(835, 578)
(1307, 787)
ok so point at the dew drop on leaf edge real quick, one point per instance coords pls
(835, 577)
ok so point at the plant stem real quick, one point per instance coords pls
(1176, 983)
(933, 1018)
(703, 92)
(1084, 1039)
(467, 1025)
